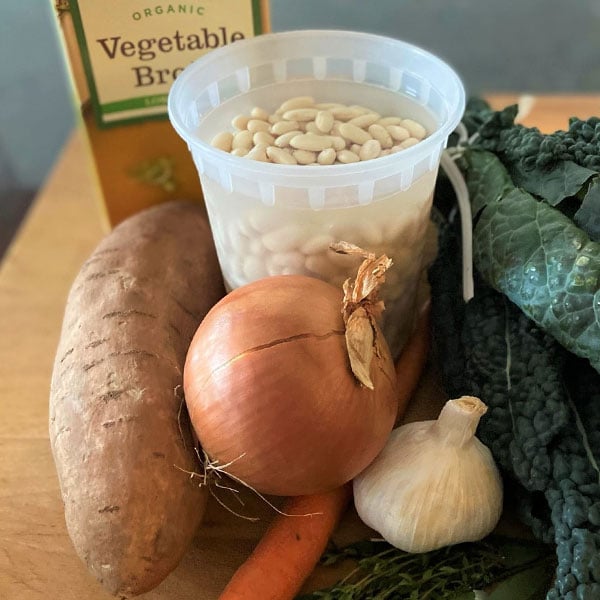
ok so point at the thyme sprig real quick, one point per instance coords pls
(383, 572)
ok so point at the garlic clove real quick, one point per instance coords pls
(434, 484)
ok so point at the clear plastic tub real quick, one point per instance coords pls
(271, 219)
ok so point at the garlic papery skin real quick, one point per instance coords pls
(434, 484)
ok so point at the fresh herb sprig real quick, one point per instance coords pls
(383, 572)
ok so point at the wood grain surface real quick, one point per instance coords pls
(37, 560)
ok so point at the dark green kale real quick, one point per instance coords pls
(528, 146)
(543, 419)
(536, 256)
(559, 168)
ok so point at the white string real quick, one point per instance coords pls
(463, 134)
(466, 222)
(525, 105)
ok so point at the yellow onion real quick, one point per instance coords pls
(271, 393)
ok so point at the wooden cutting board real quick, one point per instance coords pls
(37, 561)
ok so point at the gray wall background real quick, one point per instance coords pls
(496, 46)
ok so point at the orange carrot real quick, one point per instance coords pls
(412, 360)
(292, 545)
(290, 548)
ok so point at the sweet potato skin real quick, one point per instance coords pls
(119, 430)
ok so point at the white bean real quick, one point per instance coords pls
(239, 242)
(280, 156)
(284, 127)
(335, 129)
(327, 156)
(381, 134)
(301, 114)
(328, 105)
(365, 120)
(338, 142)
(398, 133)
(288, 260)
(273, 269)
(385, 121)
(304, 157)
(263, 220)
(297, 102)
(242, 139)
(347, 156)
(353, 133)
(415, 129)
(256, 247)
(240, 122)
(324, 121)
(264, 138)
(363, 110)
(311, 127)
(303, 132)
(411, 141)
(259, 113)
(223, 141)
(345, 113)
(284, 140)
(258, 153)
(310, 141)
(239, 151)
(286, 238)
(254, 268)
(275, 118)
(369, 150)
(255, 125)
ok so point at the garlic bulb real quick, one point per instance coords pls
(434, 484)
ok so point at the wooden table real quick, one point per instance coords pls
(37, 560)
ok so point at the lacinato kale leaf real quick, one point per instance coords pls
(536, 256)
(552, 167)
(564, 180)
(543, 419)
(493, 124)
(528, 343)
(488, 181)
(588, 215)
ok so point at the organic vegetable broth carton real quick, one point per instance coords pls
(123, 56)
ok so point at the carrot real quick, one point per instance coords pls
(412, 360)
(291, 547)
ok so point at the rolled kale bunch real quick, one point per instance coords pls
(528, 343)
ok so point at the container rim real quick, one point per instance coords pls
(424, 148)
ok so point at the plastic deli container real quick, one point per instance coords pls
(270, 219)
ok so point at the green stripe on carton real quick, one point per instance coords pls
(134, 104)
(257, 17)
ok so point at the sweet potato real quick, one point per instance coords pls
(118, 428)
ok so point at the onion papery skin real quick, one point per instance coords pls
(270, 393)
